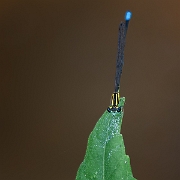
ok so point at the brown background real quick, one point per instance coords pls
(57, 66)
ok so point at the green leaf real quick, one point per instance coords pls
(105, 157)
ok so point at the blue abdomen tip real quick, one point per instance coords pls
(128, 15)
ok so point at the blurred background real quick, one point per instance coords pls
(57, 67)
